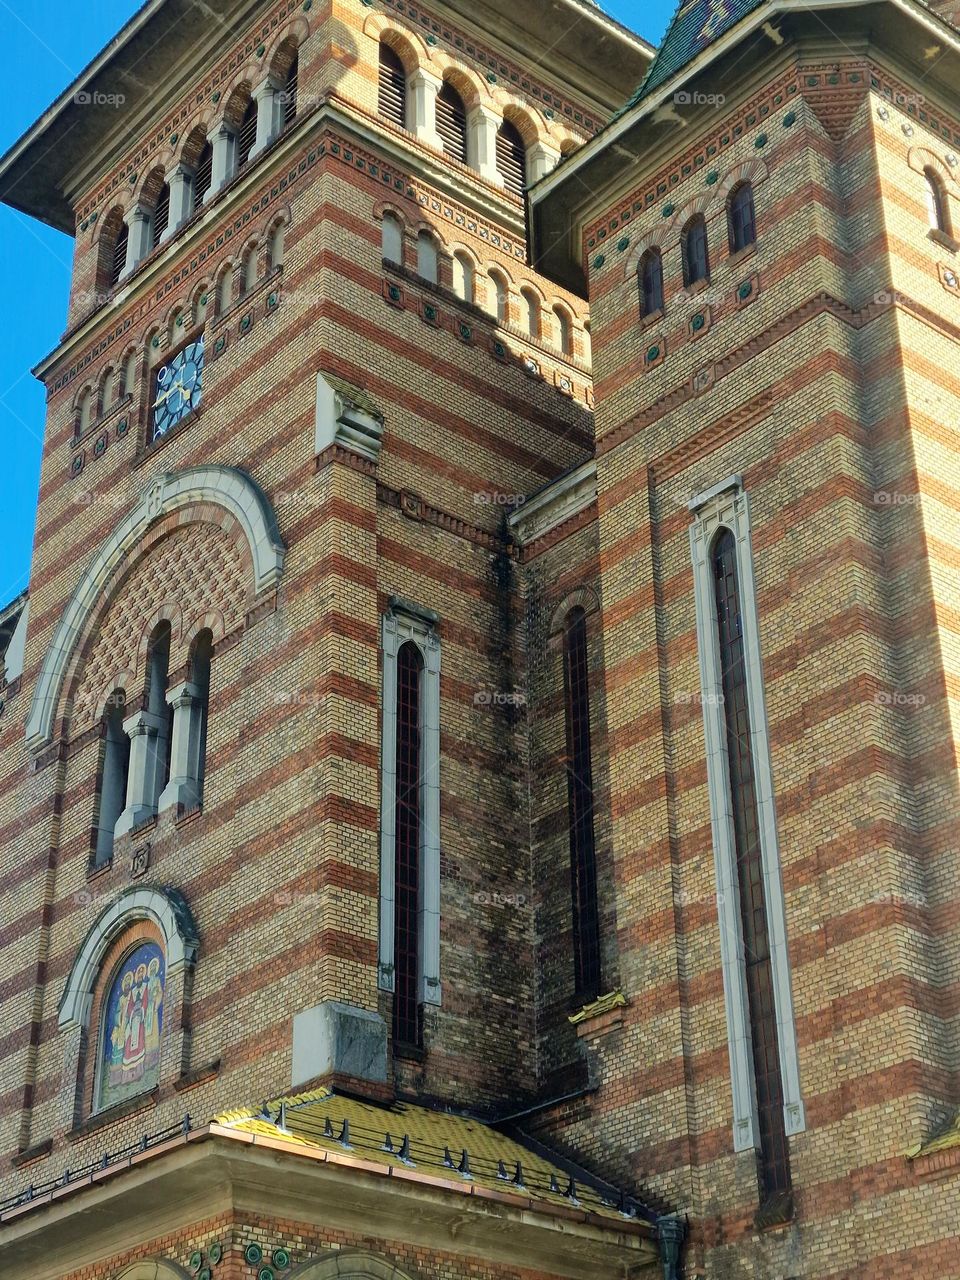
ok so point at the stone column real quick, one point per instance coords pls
(482, 129)
(139, 241)
(180, 182)
(422, 107)
(147, 758)
(268, 114)
(224, 143)
(541, 160)
(184, 785)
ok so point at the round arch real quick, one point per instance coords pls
(225, 487)
(164, 908)
(152, 1270)
(350, 1264)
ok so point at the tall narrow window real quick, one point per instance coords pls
(428, 262)
(511, 158)
(160, 723)
(583, 857)
(696, 261)
(161, 214)
(85, 412)
(391, 239)
(225, 291)
(275, 247)
(290, 91)
(936, 198)
(203, 175)
(200, 672)
(764, 1065)
(564, 330)
(452, 122)
(247, 135)
(407, 1027)
(119, 253)
(531, 312)
(248, 275)
(392, 101)
(129, 374)
(463, 277)
(499, 297)
(651, 282)
(112, 781)
(741, 218)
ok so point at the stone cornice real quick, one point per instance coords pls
(558, 502)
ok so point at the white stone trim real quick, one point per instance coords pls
(566, 497)
(226, 487)
(726, 505)
(404, 621)
(13, 658)
(339, 420)
(349, 1264)
(157, 905)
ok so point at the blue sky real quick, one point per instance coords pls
(44, 51)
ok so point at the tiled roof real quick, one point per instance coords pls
(695, 24)
(439, 1144)
(944, 1141)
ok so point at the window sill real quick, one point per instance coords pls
(776, 1212)
(741, 255)
(698, 286)
(97, 869)
(104, 419)
(199, 1076)
(101, 1119)
(409, 1052)
(32, 1155)
(185, 817)
(942, 238)
(651, 318)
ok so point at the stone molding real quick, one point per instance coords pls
(555, 504)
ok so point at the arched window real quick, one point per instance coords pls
(407, 1022)
(936, 196)
(392, 239)
(564, 325)
(531, 312)
(275, 247)
(452, 122)
(130, 1025)
(129, 374)
(200, 678)
(290, 90)
(225, 290)
(428, 260)
(741, 218)
(161, 214)
(112, 778)
(84, 412)
(201, 306)
(248, 276)
(160, 722)
(203, 176)
(392, 100)
(119, 259)
(650, 277)
(500, 297)
(774, 1154)
(463, 285)
(511, 158)
(693, 241)
(580, 803)
(247, 133)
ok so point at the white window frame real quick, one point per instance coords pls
(726, 505)
(405, 622)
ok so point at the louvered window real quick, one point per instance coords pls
(204, 174)
(651, 283)
(583, 858)
(119, 253)
(407, 1026)
(696, 261)
(774, 1157)
(741, 218)
(161, 214)
(290, 91)
(452, 122)
(248, 133)
(393, 87)
(511, 158)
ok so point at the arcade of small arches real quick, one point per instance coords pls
(345, 1264)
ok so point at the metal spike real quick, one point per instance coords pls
(388, 1144)
(186, 1123)
(501, 1170)
(282, 1117)
(143, 1143)
(328, 1128)
(571, 1191)
(518, 1175)
(265, 1111)
(105, 1161)
(345, 1134)
(464, 1165)
(66, 1177)
(554, 1184)
(404, 1151)
(447, 1158)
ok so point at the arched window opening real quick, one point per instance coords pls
(112, 779)
(452, 122)
(407, 1009)
(428, 258)
(200, 678)
(247, 133)
(203, 175)
(290, 91)
(160, 717)
(500, 299)
(531, 311)
(85, 412)
(130, 1026)
(564, 325)
(119, 260)
(463, 278)
(201, 306)
(392, 239)
(129, 375)
(774, 1156)
(161, 214)
(936, 198)
(651, 282)
(275, 247)
(741, 218)
(696, 261)
(392, 101)
(511, 158)
(248, 276)
(580, 804)
(225, 291)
